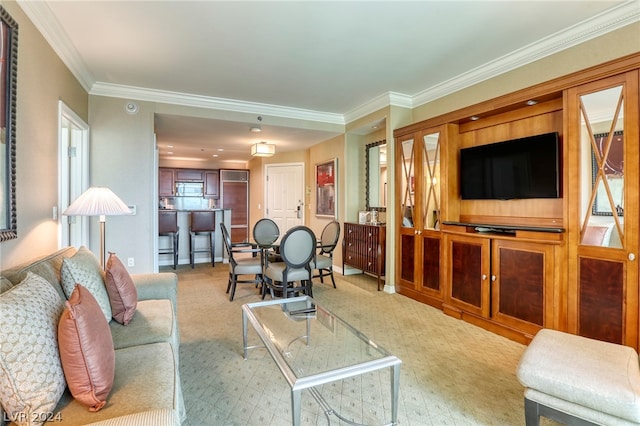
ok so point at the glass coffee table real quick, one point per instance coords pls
(312, 346)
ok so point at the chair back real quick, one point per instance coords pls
(329, 237)
(167, 222)
(265, 232)
(226, 239)
(298, 247)
(203, 221)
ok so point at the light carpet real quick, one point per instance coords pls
(452, 373)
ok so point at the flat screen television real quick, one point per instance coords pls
(515, 169)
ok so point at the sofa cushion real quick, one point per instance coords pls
(121, 289)
(86, 349)
(153, 322)
(30, 370)
(84, 268)
(146, 379)
(48, 267)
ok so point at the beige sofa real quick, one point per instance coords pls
(146, 387)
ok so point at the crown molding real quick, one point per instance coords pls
(376, 104)
(611, 20)
(185, 99)
(42, 17)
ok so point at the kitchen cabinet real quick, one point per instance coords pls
(503, 279)
(212, 184)
(166, 182)
(364, 248)
(189, 175)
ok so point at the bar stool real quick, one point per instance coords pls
(168, 227)
(202, 223)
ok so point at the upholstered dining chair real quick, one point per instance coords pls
(265, 233)
(323, 260)
(241, 265)
(297, 248)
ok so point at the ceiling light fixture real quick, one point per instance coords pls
(263, 149)
(531, 102)
(475, 118)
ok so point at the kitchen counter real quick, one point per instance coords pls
(184, 221)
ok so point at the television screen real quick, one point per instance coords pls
(518, 168)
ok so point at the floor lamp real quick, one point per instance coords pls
(98, 201)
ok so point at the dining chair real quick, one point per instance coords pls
(265, 233)
(168, 227)
(249, 265)
(323, 260)
(297, 248)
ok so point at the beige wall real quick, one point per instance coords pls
(123, 154)
(43, 80)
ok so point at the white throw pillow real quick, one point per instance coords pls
(31, 376)
(84, 268)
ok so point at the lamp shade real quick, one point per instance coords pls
(97, 201)
(263, 149)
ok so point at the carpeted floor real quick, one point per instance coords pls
(452, 373)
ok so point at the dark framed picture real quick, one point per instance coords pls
(326, 189)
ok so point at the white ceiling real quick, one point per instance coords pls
(309, 62)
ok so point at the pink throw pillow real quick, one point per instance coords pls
(86, 349)
(121, 289)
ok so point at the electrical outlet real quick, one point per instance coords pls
(131, 262)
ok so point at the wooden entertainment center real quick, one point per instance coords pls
(515, 266)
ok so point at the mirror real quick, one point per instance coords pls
(376, 173)
(8, 79)
(602, 167)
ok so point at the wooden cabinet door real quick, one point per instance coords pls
(602, 285)
(418, 261)
(212, 184)
(166, 184)
(522, 284)
(469, 269)
(189, 175)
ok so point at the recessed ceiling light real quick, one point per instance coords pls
(170, 152)
(531, 102)
(215, 155)
(474, 118)
(220, 149)
(169, 146)
(255, 129)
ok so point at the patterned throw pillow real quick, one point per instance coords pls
(122, 291)
(86, 350)
(31, 376)
(84, 268)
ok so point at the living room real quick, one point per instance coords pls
(123, 151)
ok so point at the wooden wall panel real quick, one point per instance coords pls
(522, 282)
(601, 296)
(431, 263)
(466, 273)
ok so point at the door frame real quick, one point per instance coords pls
(72, 182)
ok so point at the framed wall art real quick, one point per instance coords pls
(327, 189)
(8, 80)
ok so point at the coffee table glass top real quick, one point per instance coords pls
(310, 339)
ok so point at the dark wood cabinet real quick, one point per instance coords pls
(235, 196)
(212, 184)
(501, 279)
(166, 185)
(189, 175)
(364, 247)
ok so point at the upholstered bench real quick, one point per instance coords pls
(579, 381)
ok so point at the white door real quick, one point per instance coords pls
(285, 195)
(73, 175)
